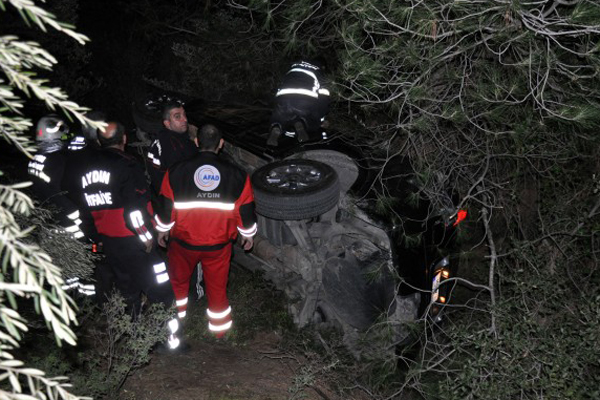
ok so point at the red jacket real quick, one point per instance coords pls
(205, 202)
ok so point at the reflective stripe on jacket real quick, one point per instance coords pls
(206, 201)
(114, 189)
(303, 79)
(168, 148)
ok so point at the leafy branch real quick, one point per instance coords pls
(27, 271)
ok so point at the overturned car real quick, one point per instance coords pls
(324, 237)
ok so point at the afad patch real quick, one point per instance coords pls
(207, 178)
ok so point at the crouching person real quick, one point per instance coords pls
(206, 202)
(301, 105)
(114, 190)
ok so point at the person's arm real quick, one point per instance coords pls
(88, 227)
(47, 173)
(247, 226)
(324, 98)
(155, 166)
(163, 217)
(136, 194)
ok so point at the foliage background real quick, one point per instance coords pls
(497, 101)
(29, 275)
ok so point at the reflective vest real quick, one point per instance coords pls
(302, 79)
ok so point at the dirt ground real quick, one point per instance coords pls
(223, 371)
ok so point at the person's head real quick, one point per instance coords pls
(112, 136)
(209, 138)
(174, 117)
(51, 128)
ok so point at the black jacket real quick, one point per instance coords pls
(301, 96)
(46, 171)
(113, 188)
(168, 148)
(304, 79)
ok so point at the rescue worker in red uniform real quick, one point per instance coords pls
(206, 202)
(301, 104)
(114, 189)
(172, 144)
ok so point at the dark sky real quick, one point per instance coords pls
(109, 70)
(112, 44)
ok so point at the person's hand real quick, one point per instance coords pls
(246, 242)
(148, 245)
(163, 238)
(193, 133)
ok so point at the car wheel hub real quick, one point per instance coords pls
(293, 177)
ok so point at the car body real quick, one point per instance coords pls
(323, 237)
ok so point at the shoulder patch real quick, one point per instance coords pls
(207, 178)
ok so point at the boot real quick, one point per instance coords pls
(274, 136)
(300, 131)
(166, 349)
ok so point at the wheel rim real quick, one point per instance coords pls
(293, 177)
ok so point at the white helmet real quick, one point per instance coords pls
(51, 128)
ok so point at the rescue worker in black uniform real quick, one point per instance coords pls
(81, 150)
(114, 189)
(301, 104)
(47, 169)
(172, 144)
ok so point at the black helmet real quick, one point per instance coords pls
(51, 128)
(89, 132)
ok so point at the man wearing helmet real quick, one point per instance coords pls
(47, 169)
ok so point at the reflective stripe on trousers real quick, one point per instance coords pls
(215, 266)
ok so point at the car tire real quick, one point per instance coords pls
(295, 189)
(343, 164)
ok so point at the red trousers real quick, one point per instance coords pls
(215, 267)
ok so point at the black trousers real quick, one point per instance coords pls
(133, 272)
(291, 108)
